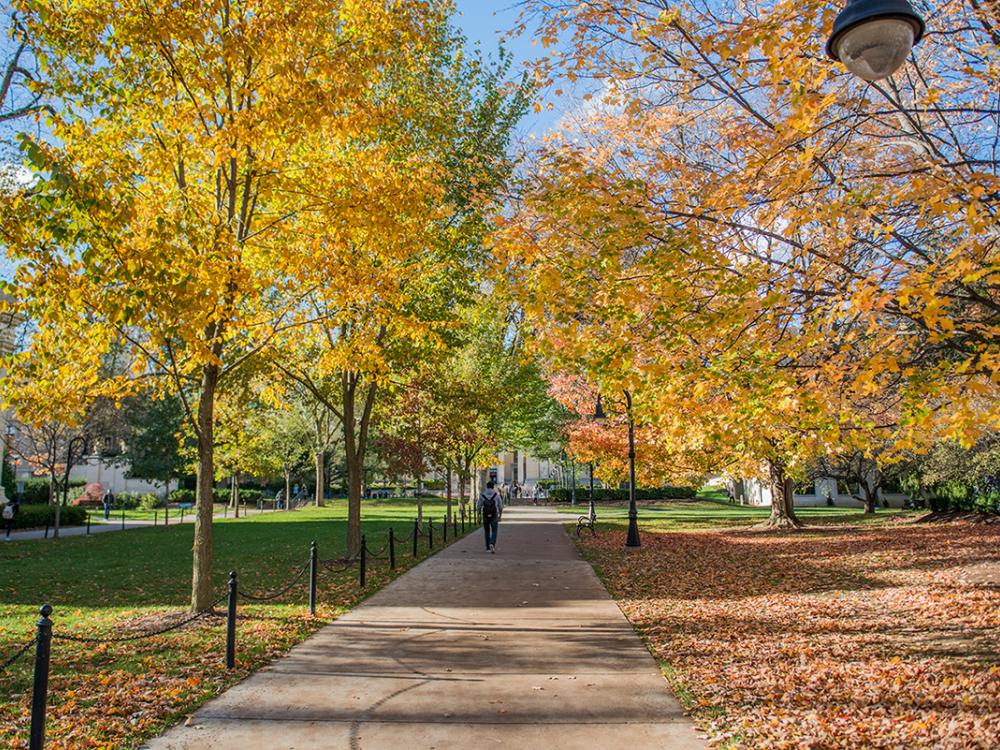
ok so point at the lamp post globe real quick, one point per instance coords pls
(874, 37)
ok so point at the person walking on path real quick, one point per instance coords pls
(8, 519)
(490, 505)
(108, 501)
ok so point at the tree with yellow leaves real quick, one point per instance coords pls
(779, 260)
(199, 153)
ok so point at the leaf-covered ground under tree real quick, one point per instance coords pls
(835, 637)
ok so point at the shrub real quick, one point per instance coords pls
(250, 496)
(607, 494)
(35, 516)
(149, 501)
(36, 490)
(127, 500)
(182, 496)
(218, 496)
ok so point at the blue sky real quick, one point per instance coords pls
(486, 21)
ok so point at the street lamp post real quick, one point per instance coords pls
(593, 509)
(874, 37)
(69, 467)
(632, 540)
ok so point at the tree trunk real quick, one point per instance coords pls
(355, 446)
(461, 487)
(871, 499)
(782, 504)
(353, 504)
(201, 571)
(54, 499)
(447, 488)
(320, 471)
(288, 489)
(233, 499)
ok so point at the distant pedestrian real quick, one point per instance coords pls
(490, 505)
(8, 519)
(108, 501)
(729, 492)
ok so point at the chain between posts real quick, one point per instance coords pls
(144, 634)
(18, 654)
(279, 592)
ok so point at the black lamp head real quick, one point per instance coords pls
(873, 37)
(599, 410)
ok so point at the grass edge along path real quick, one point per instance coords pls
(837, 637)
(116, 695)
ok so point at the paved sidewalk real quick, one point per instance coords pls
(99, 526)
(522, 649)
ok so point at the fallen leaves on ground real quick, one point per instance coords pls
(822, 639)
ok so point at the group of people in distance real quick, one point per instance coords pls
(512, 491)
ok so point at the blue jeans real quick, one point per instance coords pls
(490, 528)
(107, 512)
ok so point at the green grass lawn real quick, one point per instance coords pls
(711, 513)
(123, 583)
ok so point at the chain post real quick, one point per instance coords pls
(313, 564)
(88, 523)
(123, 519)
(363, 561)
(182, 514)
(430, 533)
(416, 534)
(46, 528)
(231, 623)
(445, 524)
(166, 515)
(40, 692)
(392, 550)
(454, 526)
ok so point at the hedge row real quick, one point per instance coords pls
(37, 491)
(35, 516)
(608, 495)
(982, 504)
(247, 496)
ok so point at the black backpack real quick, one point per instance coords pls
(489, 505)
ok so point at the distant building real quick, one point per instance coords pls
(812, 493)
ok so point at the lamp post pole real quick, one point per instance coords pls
(633, 516)
(65, 489)
(593, 510)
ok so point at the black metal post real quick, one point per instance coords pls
(430, 533)
(363, 562)
(392, 550)
(123, 519)
(88, 523)
(313, 564)
(633, 523)
(445, 524)
(593, 508)
(462, 513)
(166, 515)
(40, 692)
(46, 527)
(182, 514)
(416, 534)
(454, 526)
(231, 623)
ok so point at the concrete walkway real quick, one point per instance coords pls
(522, 649)
(99, 526)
